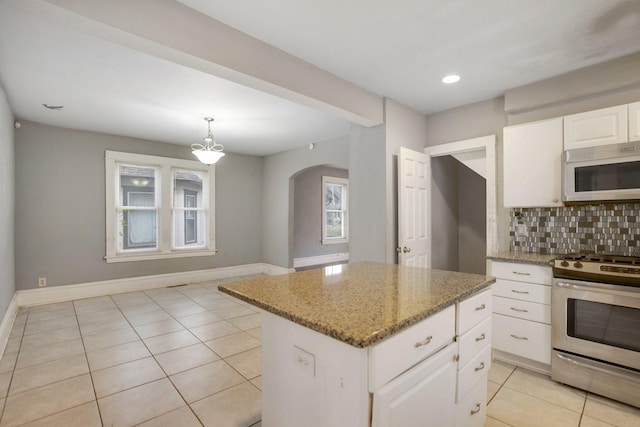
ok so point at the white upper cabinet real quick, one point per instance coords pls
(634, 121)
(598, 127)
(532, 164)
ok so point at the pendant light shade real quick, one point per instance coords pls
(211, 151)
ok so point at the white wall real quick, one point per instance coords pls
(7, 203)
(277, 194)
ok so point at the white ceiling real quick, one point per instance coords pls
(399, 50)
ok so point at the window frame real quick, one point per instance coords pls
(332, 180)
(165, 167)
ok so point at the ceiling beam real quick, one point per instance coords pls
(167, 29)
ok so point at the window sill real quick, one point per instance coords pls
(158, 255)
(334, 241)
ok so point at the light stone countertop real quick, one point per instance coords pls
(359, 303)
(524, 258)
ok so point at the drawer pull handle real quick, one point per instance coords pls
(480, 368)
(521, 310)
(426, 341)
(481, 337)
(520, 292)
(521, 274)
(476, 409)
(519, 338)
(482, 307)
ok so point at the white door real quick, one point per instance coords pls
(413, 196)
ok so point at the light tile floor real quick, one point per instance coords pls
(521, 398)
(179, 356)
(190, 356)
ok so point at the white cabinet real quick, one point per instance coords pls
(474, 359)
(396, 354)
(634, 122)
(522, 313)
(423, 396)
(532, 164)
(597, 127)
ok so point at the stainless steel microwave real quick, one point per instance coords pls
(606, 172)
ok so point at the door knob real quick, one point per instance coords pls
(406, 249)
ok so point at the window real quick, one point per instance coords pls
(158, 207)
(335, 223)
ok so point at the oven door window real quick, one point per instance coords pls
(608, 324)
(606, 177)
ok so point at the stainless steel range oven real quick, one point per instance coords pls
(595, 325)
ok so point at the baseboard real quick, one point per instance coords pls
(320, 259)
(7, 323)
(107, 287)
(529, 364)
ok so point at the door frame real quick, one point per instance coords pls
(488, 145)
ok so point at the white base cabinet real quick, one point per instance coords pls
(413, 378)
(522, 311)
(423, 396)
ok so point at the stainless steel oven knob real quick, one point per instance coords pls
(565, 263)
(577, 264)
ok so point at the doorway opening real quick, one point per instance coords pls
(463, 204)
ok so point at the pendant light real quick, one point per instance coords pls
(211, 151)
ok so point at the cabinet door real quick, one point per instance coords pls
(532, 164)
(422, 396)
(598, 127)
(634, 121)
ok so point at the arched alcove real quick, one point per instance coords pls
(305, 232)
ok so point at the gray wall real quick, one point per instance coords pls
(277, 194)
(472, 221)
(444, 213)
(7, 186)
(367, 183)
(60, 208)
(307, 213)
(459, 217)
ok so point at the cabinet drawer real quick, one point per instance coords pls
(522, 309)
(400, 352)
(522, 291)
(473, 372)
(471, 411)
(474, 310)
(522, 272)
(474, 341)
(523, 338)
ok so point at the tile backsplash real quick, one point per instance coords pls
(600, 228)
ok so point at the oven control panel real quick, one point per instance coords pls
(619, 269)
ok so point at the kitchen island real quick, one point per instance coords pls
(371, 344)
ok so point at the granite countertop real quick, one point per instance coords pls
(524, 258)
(360, 303)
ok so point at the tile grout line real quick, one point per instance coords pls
(156, 360)
(15, 363)
(93, 386)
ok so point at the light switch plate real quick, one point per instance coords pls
(304, 360)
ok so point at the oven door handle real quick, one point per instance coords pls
(596, 287)
(591, 367)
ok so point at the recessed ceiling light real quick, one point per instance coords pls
(451, 78)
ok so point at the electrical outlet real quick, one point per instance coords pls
(42, 282)
(521, 230)
(304, 360)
